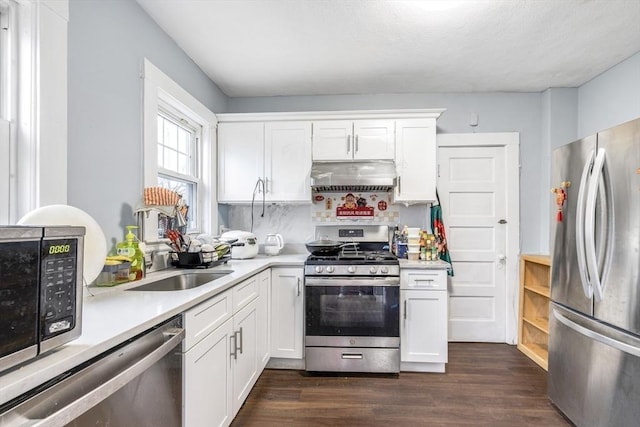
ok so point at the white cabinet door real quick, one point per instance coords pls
(208, 380)
(347, 140)
(240, 160)
(373, 140)
(264, 318)
(245, 360)
(416, 160)
(423, 331)
(287, 313)
(333, 140)
(287, 161)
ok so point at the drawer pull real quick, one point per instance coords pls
(352, 356)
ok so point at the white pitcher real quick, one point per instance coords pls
(273, 244)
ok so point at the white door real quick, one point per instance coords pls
(264, 318)
(333, 140)
(287, 313)
(423, 332)
(478, 188)
(374, 139)
(208, 380)
(245, 361)
(240, 160)
(287, 161)
(416, 160)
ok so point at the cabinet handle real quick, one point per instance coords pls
(298, 287)
(356, 150)
(352, 356)
(348, 144)
(241, 340)
(399, 185)
(405, 309)
(266, 185)
(234, 352)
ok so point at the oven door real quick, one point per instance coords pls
(352, 311)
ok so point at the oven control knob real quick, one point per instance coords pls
(384, 270)
(373, 270)
(318, 269)
(351, 269)
(330, 269)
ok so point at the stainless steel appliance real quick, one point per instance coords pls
(352, 300)
(136, 384)
(594, 339)
(370, 175)
(40, 290)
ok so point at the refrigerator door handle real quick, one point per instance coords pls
(580, 214)
(590, 225)
(619, 345)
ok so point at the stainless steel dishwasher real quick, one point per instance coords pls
(138, 383)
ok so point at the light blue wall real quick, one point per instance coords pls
(107, 43)
(611, 98)
(497, 112)
(559, 126)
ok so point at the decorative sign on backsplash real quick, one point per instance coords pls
(332, 207)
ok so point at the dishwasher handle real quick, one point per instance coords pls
(172, 337)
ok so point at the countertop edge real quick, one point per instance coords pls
(101, 330)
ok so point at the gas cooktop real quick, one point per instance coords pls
(354, 258)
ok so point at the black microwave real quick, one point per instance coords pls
(40, 290)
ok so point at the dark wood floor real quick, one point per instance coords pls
(485, 385)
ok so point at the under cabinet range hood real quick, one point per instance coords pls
(363, 176)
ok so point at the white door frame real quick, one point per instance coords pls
(511, 142)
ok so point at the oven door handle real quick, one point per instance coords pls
(351, 281)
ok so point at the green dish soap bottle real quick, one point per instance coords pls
(131, 249)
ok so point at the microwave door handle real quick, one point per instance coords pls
(580, 214)
(590, 225)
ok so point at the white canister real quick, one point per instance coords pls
(273, 244)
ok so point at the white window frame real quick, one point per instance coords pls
(169, 113)
(34, 108)
(159, 91)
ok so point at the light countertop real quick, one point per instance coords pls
(110, 316)
(426, 265)
(113, 315)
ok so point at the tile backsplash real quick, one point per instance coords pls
(296, 223)
(370, 208)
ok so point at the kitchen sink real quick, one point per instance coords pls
(182, 281)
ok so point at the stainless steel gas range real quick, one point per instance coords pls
(352, 304)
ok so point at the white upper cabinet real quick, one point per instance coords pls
(416, 162)
(240, 160)
(279, 153)
(287, 161)
(340, 140)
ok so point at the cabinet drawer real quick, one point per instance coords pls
(204, 318)
(424, 279)
(245, 292)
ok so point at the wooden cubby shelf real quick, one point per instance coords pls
(533, 321)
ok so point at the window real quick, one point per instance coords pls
(33, 106)
(179, 153)
(178, 157)
(7, 34)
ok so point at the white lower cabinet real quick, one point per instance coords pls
(287, 313)
(244, 358)
(423, 320)
(221, 359)
(208, 380)
(264, 318)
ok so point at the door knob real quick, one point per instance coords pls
(502, 257)
(502, 221)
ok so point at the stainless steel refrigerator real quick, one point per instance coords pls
(594, 318)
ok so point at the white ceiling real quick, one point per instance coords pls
(313, 47)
